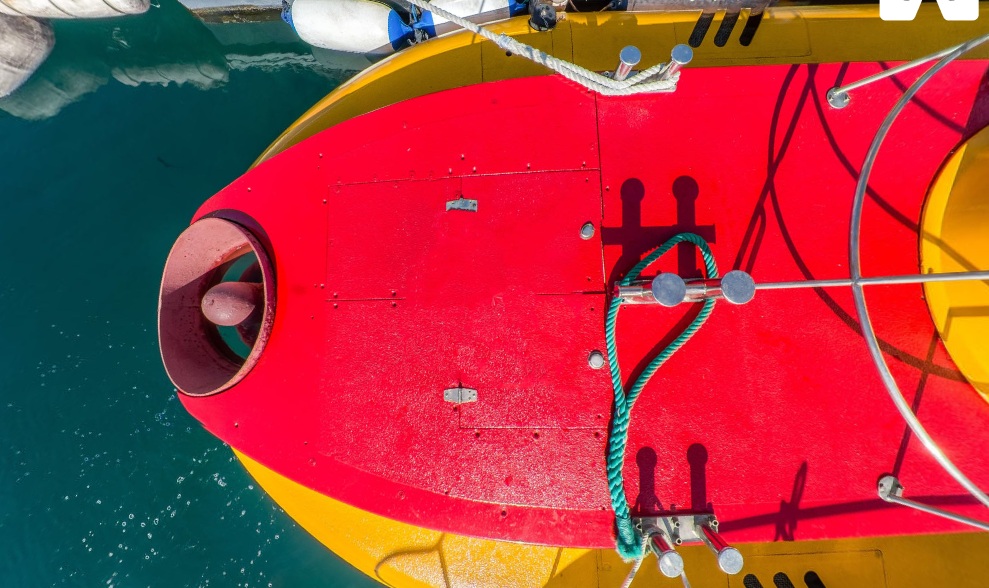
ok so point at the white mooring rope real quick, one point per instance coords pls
(637, 84)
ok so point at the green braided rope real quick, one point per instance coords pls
(629, 544)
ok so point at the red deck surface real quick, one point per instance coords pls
(773, 414)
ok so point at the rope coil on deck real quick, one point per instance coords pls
(629, 543)
(637, 84)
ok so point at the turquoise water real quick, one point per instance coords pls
(104, 478)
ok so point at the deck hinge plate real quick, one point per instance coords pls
(460, 395)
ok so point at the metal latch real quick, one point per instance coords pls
(460, 395)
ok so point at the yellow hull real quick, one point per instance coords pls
(401, 555)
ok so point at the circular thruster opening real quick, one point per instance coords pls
(954, 238)
(216, 307)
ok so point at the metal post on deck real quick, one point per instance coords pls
(629, 57)
(670, 562)
(729, 559)
(679, 57)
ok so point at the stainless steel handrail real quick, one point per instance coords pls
(854, 243)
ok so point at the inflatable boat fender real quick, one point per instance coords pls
(355, 26)
(374, 29)
(24, 45)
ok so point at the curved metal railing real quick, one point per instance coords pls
(857, 282)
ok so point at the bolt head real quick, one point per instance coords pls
(595, 360)
(587, 231)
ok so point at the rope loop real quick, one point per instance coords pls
(628, 542)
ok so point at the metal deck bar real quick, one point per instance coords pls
(877, 280)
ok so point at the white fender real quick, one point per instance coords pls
(373, 29)
(73, 8)
(355, 26)
(24, 45)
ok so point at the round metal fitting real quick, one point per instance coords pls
(838, 99)
(682, 54)
(668, 289)
(889, 486)
(587, 231)
(671, 564)
(630, 55)
(737, 287)
(730, 560)
(595, 360)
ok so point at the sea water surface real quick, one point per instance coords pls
(104, 156)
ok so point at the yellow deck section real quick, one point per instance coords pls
(812, 34)
(401, 555)
(955, 238)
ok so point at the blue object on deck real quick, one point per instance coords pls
(426, 24)
(399, 33)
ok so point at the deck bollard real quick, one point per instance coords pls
(670, 562)
(729, 559)
(679, 57)
(629, 57)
